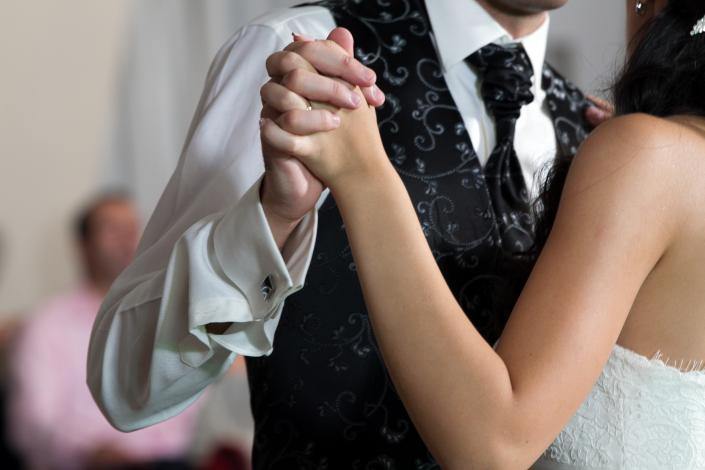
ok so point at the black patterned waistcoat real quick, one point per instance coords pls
(323, 399)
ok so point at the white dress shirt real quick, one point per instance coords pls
(462, 27)
(207, 254)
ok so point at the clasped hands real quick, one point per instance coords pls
(335, 134)
(318, 109)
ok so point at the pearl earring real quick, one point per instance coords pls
(641, 7)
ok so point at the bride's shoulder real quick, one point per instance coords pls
(641, 149)
(647, 135)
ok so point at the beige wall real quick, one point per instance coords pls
(57, 63)
(587, 42)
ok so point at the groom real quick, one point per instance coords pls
(470, 116)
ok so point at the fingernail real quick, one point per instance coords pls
(261, 122)
(370, 75)
(355, 99)
(377, 92)
(336, 120)
(301, 37)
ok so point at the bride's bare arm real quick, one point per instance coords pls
(476, 407)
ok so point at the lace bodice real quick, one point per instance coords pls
(642, 414)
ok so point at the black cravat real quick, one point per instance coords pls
(505, 73)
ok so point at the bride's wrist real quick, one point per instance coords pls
(378, 173)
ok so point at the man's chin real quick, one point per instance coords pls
(526, 7)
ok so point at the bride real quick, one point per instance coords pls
(600, 362)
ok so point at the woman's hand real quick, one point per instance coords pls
(338, 145)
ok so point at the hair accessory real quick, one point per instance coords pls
(699, 27)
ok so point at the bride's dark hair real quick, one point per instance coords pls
(664, 76)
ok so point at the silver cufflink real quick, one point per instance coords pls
(267, 287)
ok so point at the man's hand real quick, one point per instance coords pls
(334, 59)
(600, 111)
(289, 191)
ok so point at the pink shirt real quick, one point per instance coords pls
(54, 421)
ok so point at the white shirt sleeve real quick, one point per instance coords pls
(207, 256)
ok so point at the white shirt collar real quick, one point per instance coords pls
(461, 27)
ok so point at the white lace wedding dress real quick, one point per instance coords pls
(641, 415)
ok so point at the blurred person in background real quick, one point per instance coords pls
(53, 420)
(8, 326)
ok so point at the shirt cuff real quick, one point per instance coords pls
(248, 255)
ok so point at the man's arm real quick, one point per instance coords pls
(150, 355)
(288, 189)
(208, 257)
